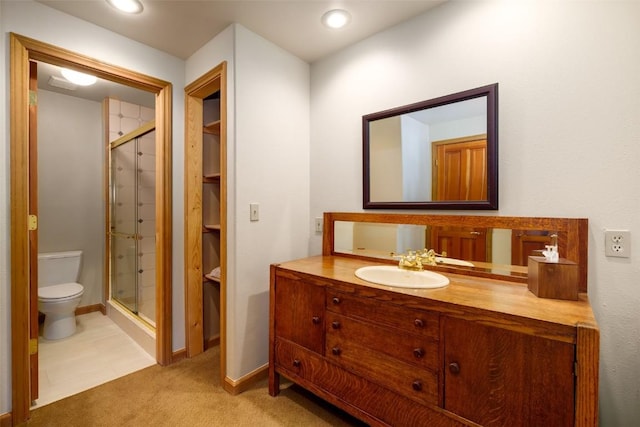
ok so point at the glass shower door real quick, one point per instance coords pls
(124, 230)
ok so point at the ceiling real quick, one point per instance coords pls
(181, 27)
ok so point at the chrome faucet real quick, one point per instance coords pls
(415, 260)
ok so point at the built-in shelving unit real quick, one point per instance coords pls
(211, 180)
(205, 212)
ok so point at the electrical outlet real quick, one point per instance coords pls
(617, 243)
(318, 223)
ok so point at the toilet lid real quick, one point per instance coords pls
(64, 290)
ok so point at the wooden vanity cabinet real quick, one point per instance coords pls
(429, 359)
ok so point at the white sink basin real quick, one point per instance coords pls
(390, 275)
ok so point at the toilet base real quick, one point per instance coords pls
(58, 326)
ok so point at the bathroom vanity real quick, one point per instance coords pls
(483, 350)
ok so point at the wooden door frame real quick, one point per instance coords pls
(22, 50)
(195, 93)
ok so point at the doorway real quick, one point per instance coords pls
(24, 222)
(206, 216)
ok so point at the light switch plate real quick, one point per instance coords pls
(254, 212)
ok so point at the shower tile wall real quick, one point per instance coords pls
(125, 117)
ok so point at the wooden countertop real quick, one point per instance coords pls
(510, 304)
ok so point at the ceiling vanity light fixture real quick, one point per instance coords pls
(336, 18)
(78, 78)
(127, 6)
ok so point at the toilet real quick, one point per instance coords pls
(58, 292)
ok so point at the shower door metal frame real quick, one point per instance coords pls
(131, 137)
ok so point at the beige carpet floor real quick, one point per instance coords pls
(188, 393)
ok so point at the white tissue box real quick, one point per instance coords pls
(557, 280)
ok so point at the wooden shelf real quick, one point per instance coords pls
(210, 278)
(211, 227)
(211, 178)
(212, 128)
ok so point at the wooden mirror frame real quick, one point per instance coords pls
(491, 203)
(573, 239)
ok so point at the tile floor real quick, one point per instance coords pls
(98, 352)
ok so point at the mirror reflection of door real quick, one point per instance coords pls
(525, 243)
(460, 168)
(471, 244)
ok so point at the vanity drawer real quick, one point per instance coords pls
(365, 399)
(422, 322)
(420, 385)
(292, 358)
(410, 348)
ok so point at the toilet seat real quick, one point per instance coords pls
(60, 292)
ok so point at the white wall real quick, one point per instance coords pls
(26, 18)
(268, 152)
(70, 185)
(569, 132)
(569, 76)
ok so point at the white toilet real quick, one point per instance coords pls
(58, 292)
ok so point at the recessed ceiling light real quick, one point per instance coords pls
(127, 6)
(336, 18)
(75, 77)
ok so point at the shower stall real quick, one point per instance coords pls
(132, 223)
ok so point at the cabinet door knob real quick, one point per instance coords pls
(418, 353)
(419, 323)
(417, 385)
(315, 320)
(296, 363)
(335, 324)
(336, 300)
(454, 368)
(336, 351)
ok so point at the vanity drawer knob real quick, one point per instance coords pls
(418, 353)
(336, 300)
(417, 385)
(419, 323)
(335, 324)
(336, 351)
(454, 368)
(315, 320)
(296, 363)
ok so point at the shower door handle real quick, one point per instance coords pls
(125, 235)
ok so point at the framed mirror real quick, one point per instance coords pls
(436, 154)
(486, 246)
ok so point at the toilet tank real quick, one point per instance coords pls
(55, 268)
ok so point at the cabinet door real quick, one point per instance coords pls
(299, 314)
(497, 377)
